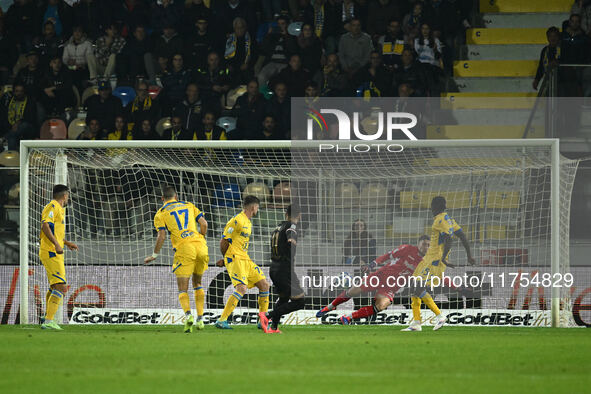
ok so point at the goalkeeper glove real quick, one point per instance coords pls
(367, 268)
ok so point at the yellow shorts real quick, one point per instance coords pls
(429, 268)
(54, 265)
(190, 258)
(243, 271)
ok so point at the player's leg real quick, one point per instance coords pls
(239, 279)
(56, 275)
(263, 287)
(183, 286)
(344, 296)
(419, 280)
(200, 267)
(382, 301)
(290, 286)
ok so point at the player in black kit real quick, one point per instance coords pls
(285, 280)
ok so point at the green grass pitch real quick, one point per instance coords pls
(313, 359)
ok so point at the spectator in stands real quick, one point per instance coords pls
(59, 14)
(276, 48)
(177, 131)
(144, 131)
(194, 11)
(137, 56)
(130, 15)
(49, 45)
(327, 25)
(92, 131)
(115, 207)
(348, 11)
(9, 54)
(332, 81)
(379, 15)
(428, 47)
(77, 53)
(104, 106)
(107, 48)
(550, 55)
(32, 76)
(22, 23)
(269, 130)
(238, 52)
(174, 83)
(354, 48)
(271, 8)
(214, 80)
(58, 93)
(210, 131)
(392, 45)
(310, 49)
(374, 73)
(311, 93)
(120, 132)
(575, 48)
(199, 43)
(169, 43)
(360, 246)
(91, 14)
(165, 13)
(249, 110)
(583, 8)
(225, 13)
(143, 106)
(411, 72)
(19, 116)
(191, 109)
(413, 21)
(294, 77)
(280, 107)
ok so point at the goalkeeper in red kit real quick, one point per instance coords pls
(402, 261)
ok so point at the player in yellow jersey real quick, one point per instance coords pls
(244, 273)
(435, 262)
(51, 252)
(180, 219)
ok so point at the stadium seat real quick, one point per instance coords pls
(14, 193)
(373, 195)
(125, 93)
(227, 195)
(282, 194)
(515, 6)
(9, 158)
(501, 200)
(504, 36)
(420, 199)
(228, 123)
(89, 91)
(154, 91)
(346, 195)
(482, 131)
(53, 129)
(258, 189)
(162, 125)
(495, 68)
(77, 127)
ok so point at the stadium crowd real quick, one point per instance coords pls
(195, 61)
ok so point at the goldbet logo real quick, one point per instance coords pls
(386, 122)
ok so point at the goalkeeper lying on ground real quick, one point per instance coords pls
(402, 261)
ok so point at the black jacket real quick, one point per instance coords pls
(250, 115)
(105, 111)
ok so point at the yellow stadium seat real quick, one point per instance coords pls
(346, 195)
(505, 36)
(418, 199)
(162, 125)
(373, 195)
(517, 100)
(495, 6)
(482, 131)
(492, 232)
(495, 68)
(282, 194)
(9, 158)
(89, 91)
(501, 200)
(257, 189)
(76, 127)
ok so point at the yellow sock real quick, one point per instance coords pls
(53, 303)
(199, 299)
(184, 300)
(416, 308)
(428, 300)
(230, 305)
(47, 298)
(263, 301)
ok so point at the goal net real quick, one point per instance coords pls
(500, 193)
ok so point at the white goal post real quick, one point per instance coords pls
(45, 162)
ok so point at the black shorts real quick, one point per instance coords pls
(285, 281)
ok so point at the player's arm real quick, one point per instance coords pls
(292, 235)
(49, 234)
(447, 242)
(233, 227)
(201, 220)
(70, 245)
(460, 234)
(159, 242)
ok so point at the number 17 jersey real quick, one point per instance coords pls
(180, 219)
